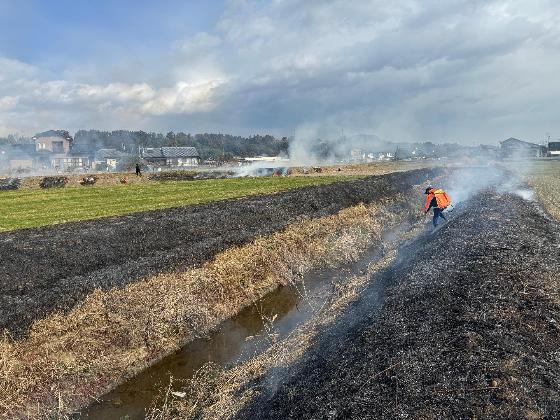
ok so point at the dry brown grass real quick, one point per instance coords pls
(32, 182)
(544, 177)
(547, 188)
(368, 169)
(69, 359)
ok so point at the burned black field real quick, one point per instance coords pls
(49, 269)
(465, 324)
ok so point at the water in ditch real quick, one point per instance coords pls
(236, 340)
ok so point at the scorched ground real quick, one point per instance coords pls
(465, 324)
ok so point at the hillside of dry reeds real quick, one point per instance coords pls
(68, 359)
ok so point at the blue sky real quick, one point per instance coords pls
(57, 34)
(472, 71)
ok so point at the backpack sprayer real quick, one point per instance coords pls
(442, 199)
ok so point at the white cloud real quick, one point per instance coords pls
(7, 103)
(34, 105)
(11, 70)
(183, 98)
(413, 69)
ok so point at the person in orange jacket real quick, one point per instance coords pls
(438, 200)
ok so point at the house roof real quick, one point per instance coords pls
(110, 154)
(54, 133)
(169, 152)
(513, 142)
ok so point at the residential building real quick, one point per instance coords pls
(53, 149)
(554, 148)
(109, 159)
(170, 156)
(515, 148)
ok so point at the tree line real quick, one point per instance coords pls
(227, 146)
(209, 145)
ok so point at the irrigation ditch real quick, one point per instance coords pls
(86, 306)
(238, 339)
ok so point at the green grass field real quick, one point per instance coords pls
(33, 208)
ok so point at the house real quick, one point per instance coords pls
(515, 148)
(357, 155)
(54, 141)
(109, 159)
(170, 156)
(53, 149)
(554, 148)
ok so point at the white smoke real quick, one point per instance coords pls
(320, 143)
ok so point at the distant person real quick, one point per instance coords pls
(439, 201)
(138, 171)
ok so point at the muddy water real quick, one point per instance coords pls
(236, 340)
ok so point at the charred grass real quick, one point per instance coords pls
(468, 328)
(67, 359)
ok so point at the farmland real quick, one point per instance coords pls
(28, 208)
(91, 302)
(86, 304)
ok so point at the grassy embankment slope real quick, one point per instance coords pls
(34, 208)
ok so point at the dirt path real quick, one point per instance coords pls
(48, 269)
(466, 324)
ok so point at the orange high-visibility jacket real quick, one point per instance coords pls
(442, 199)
